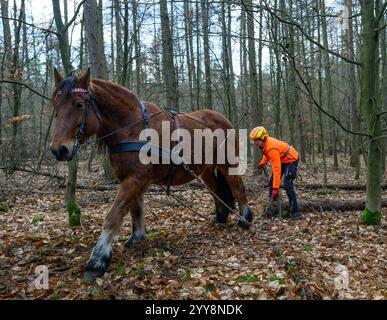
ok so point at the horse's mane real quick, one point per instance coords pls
(115, 88)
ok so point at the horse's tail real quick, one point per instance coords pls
(225, 192)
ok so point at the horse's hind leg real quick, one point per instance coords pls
(211, 181)
(138, 222)
(235, 184)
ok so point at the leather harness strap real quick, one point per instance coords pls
(127, 146)
(135, 146)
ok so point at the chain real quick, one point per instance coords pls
(200, 180)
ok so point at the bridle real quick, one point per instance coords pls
(82, 127)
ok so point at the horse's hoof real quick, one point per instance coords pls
(132, 241)
(221, 216)
(247, 216)
(91, 275)
(244, 224)
(96, 267)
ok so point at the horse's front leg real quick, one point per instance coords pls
(130, 189)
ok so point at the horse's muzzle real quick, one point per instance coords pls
(62, 153)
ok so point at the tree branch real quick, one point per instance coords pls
(293, 23)
(27, 86)
(74, 17)
(30, 24)
(315, 101)
(381, 13)
(381, 28)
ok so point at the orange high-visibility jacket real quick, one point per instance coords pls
(275, 150)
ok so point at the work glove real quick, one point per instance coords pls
(260, 166)
(274, 193)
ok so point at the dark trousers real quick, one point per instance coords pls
(289, 170)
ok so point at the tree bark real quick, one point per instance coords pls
(207, 61)
(94, 38)
(254, 103)
(64, 50)
(169, 73)
(355, 123)
(329, 85)
(370, 103)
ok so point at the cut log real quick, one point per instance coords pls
(337, 186)
(328, 205)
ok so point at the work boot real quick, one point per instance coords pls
(295, 216)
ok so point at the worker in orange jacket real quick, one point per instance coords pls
(284, 161)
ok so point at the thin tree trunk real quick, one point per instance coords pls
(320, 118)
(371, 106)
(198, 64)
(207, 62)
(137, 52)
(329, 85)
(169, 74)
(7, 56)
(94, 36)
(64, 49)
(254, 103)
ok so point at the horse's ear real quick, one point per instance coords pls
(58, 78)
(84, 80)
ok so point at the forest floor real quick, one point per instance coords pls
(324, 255)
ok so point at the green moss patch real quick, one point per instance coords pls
(74, 214)
(371, 218)
(248, 278)
(38, 218)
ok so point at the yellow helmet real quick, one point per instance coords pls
(258, 133)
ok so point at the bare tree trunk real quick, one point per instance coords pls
(320, 118)
(231, 67)
(254, 102)
(118, 33)
(123, 78)
(7, 56)
(188, 42)
(16, 75)
(64, 49)
(198, 64)
(94, 37)
(383, 81)
(278, 77)
(137, 52)
(207, 62)
(371, 107)
(329, 85)
(169, 74)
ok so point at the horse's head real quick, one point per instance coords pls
(76, 114)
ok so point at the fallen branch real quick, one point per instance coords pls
(39, 173)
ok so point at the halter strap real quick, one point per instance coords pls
(75, 90)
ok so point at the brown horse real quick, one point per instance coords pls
(114, 114)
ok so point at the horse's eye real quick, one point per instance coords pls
(80, 104)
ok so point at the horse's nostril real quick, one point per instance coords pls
(63, 151)
(54, 152)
